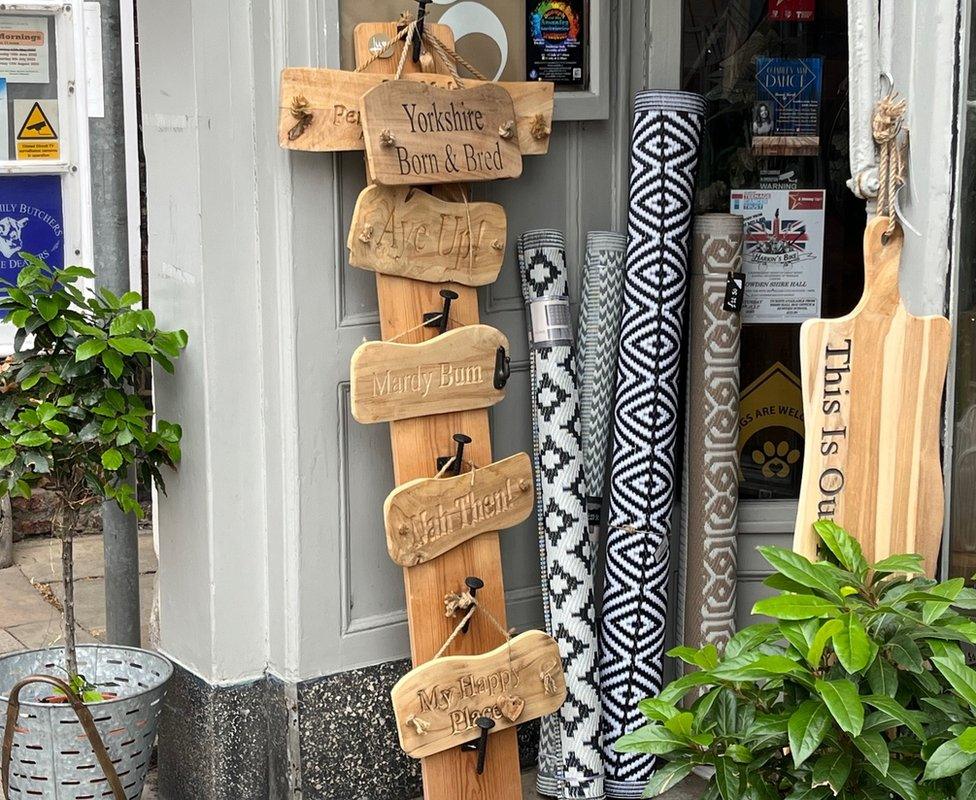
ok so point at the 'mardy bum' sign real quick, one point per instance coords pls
(421, 134)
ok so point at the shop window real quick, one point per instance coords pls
(776, 151)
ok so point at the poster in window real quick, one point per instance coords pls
(783, 253)
(787, 96)
(24, 49)
(488, 33)
(556, 45)
(31, 221)
(792, 10)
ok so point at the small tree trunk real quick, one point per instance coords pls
(66, 532)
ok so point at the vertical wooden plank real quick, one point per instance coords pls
(416, 445)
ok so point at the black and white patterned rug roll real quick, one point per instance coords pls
(596, 359)
(710, 484)
(667, 133)
(570, 758)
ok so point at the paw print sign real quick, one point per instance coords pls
(776, 460)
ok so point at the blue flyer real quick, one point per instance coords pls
(31, 221)
(787, 97)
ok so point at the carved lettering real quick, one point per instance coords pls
(836, 395)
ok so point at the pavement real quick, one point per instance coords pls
(30, 616)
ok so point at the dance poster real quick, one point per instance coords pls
(783, 253)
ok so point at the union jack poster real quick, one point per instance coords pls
(783, 253)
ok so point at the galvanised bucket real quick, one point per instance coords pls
(52, 757)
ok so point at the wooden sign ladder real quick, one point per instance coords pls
(417, 444)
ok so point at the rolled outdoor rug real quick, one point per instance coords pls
(710, 482)
(570, 760)
(596, 360)
(667, 131)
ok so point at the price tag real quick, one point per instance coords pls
(735, 290)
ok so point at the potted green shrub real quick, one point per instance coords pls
(74, 417)
(859, 689)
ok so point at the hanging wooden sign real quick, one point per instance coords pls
(429, 516)
(454, 372)
(320, 108)
(872, 396)
(421, 134)
(410, 233)
(437, 705)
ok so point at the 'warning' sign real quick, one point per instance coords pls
(36, 123)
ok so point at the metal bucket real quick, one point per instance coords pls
(52, 757)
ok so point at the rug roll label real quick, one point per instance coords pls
(454, 372)
(666, 139)
(410, 233)
(437, 705)
(707, 569)
(570, 761)
(429, 516)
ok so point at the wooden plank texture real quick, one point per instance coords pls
(408, 232)
(421, 134)
(427, 517)
(417, 443)
(332, 97)
(872, 386)
(454, 372)
(438, 704)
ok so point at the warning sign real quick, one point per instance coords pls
(36, 123)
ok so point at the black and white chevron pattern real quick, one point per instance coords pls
(570, 759)
(596, 359)
(667, 132)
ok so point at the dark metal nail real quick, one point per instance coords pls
(481, 744)
(440, 319)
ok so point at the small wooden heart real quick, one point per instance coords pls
(511, 706)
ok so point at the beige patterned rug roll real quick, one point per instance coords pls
(707, 569)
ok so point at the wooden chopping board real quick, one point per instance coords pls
(872, 395)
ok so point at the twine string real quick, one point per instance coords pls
(886, 127)
(453, 602)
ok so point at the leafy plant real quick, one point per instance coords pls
(72, 411)
(858, 690)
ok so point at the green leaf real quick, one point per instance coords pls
(967, 740)
(113, 363)
(675, 690)
(746, 669)
(728, 778)
(909, 564)
(19, 317)
(129, 298)
(680, 724)
(882, 677)
(949, 759)
(799, 633)
(844, 704)
(667, 777)
(129, 346)
(852, 645)
(57, 427)
(47, 307)
(795, 606)
(112, 459)
(124, 324)
(656, 709)
(874, 748)
(807, 728)
(910, 719)
(827, 630)
(750, 638)
(33, 439)
(740, 754)
(832, 769)
(960, 677)
(89, 349)
(844, 547)
(899, 779)
(949, 590)
(654, 739)
(799, 570)
(58, 327)
(967, 785)
(905, 653)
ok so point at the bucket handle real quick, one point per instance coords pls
(84, 717)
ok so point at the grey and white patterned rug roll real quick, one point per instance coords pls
(570, 759)
(710, 482)
(596, 359)
(667, 134)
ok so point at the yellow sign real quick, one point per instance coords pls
(37, 136)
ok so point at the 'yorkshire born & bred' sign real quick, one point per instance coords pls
(421, 134)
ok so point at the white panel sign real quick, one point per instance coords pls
(24, 49)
